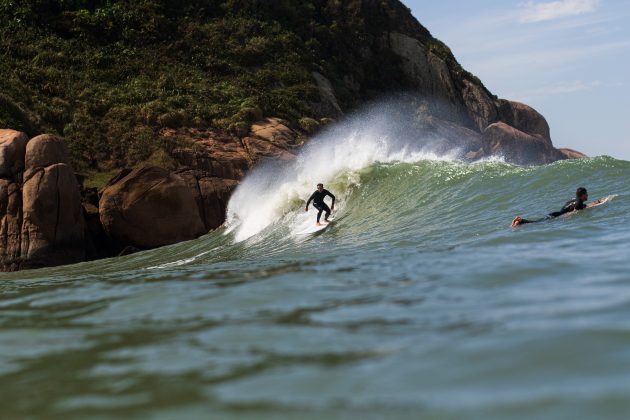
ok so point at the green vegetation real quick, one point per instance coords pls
(309, 125)
(110, 75)
(96, 179)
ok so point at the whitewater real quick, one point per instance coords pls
(338, 158)
(419, 302)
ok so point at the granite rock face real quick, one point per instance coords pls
(40, 205)
(12, 150)
(211, 196)
(149, 207)
(511, 129)
(572, 154)
(501, 139)
(419, 65)
(53, 227)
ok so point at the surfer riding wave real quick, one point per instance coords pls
(318, 202)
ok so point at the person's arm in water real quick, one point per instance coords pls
(332, 207)
(594, 203)
(309, 201)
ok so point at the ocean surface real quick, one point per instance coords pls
(419, 301)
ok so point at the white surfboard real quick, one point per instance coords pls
(602, 201)
(315, 229)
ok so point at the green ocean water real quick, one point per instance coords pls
(419, 302)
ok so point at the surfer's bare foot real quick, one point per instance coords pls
(517, 221)
(318, 224)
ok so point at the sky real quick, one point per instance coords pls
(569, 59)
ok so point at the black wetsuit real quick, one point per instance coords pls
(569, 207)
(318, 202)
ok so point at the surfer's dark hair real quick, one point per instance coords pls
(320, 184)
(581, 191)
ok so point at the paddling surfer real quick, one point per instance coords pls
(318, 202)
(578, 203)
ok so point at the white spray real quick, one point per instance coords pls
(271, 194)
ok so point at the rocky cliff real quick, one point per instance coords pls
(213, 88)
(48, 218)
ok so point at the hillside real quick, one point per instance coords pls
(108, 75)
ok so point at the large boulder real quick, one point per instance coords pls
(45, 150)
(262, 149)
(501, 139)
(53, 231)
(271, 138)
(524, 118)
(211, 195)
(12, 149)
(149, 207)
(454, 137)
(222, 164)
(214, 153)
(215, 193)
(42, 220)
(572, 154)
(276, 131)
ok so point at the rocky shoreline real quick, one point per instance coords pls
(48, 218)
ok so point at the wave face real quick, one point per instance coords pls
(419, 299)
